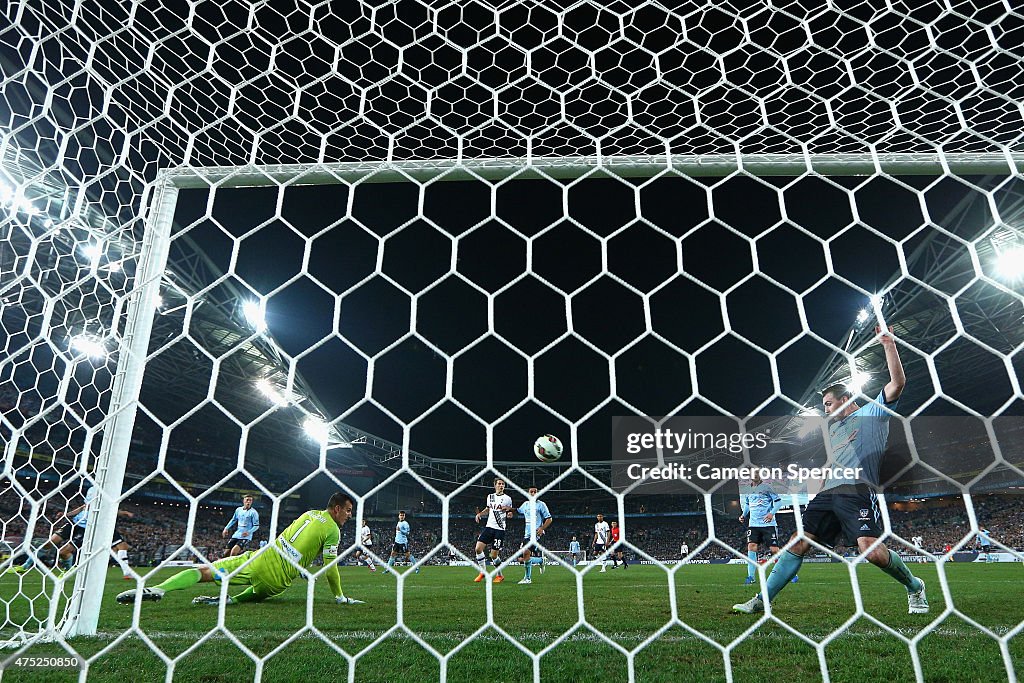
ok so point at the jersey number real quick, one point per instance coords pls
(298, 531)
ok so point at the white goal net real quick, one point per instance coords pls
(277, 251)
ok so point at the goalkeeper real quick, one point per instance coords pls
(271, 572)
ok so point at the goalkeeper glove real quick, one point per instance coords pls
(342, 600)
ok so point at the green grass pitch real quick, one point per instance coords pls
(444, 607)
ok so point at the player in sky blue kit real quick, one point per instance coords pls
(69, 538)
(538, 519)
(574, 551)
(246, 522)
(759, 507)
(857, 435)
(401, 546)
(985, 543)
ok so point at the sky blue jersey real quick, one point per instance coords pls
(761, 501)
(83, 516)
(859, 439)
(535, 514)
(402, 532)
(247, 522)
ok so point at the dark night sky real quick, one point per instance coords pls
(571, 377)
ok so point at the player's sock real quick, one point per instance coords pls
(67, 562)
(28, 563)
(391, 561)
(752, 565)
(899, 571)
(785, 569)
(122, 562)
(248, 595)
(529, 568)
(182, 579)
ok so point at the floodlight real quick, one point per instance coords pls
(253, 312)
(271, 391)
(1010, 263)
(92, 251)
(316, 429)
(858, 380)
(88, 345)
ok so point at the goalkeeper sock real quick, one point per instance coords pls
(899, 571)
(752, 565)
(248, 595)
(184, 579)
(785, 569)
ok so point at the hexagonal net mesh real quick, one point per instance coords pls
(380, 247)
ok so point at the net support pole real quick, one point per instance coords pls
(113, 455)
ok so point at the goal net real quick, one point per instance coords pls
(254, 254)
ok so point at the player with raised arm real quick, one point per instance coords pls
(575, 551)
(246, 521)
(69, 539)
(758, 513)
(617, 553)
(401, 545)
(600, 541)
(270, 572)
(498, 504)
(858, 436)
(362, 553)
(538, 519)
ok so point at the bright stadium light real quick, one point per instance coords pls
(253, 312)
(316, 429)
(858, 380)
(270, 390)
(88, 345)
(92, 251)
(1010, 263)
(877, 301)
(863, 316)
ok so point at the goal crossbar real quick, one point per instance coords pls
(570, 167)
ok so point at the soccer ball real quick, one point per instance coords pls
(547, 448)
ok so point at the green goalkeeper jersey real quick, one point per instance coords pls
(305, 538)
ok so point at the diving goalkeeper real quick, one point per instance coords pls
(271, 572)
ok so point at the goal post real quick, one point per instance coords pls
(133, 350)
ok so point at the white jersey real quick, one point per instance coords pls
(495, 517)
(918, 541)
(601, 529)
(366, 538)
(684, 549)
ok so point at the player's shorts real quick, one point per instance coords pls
(598, 548)
(242, 543)
(492, 537)
(248, 575)
(849, 510)
(400, 548)
(530, 547)
(76, 534)
(763, 535)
